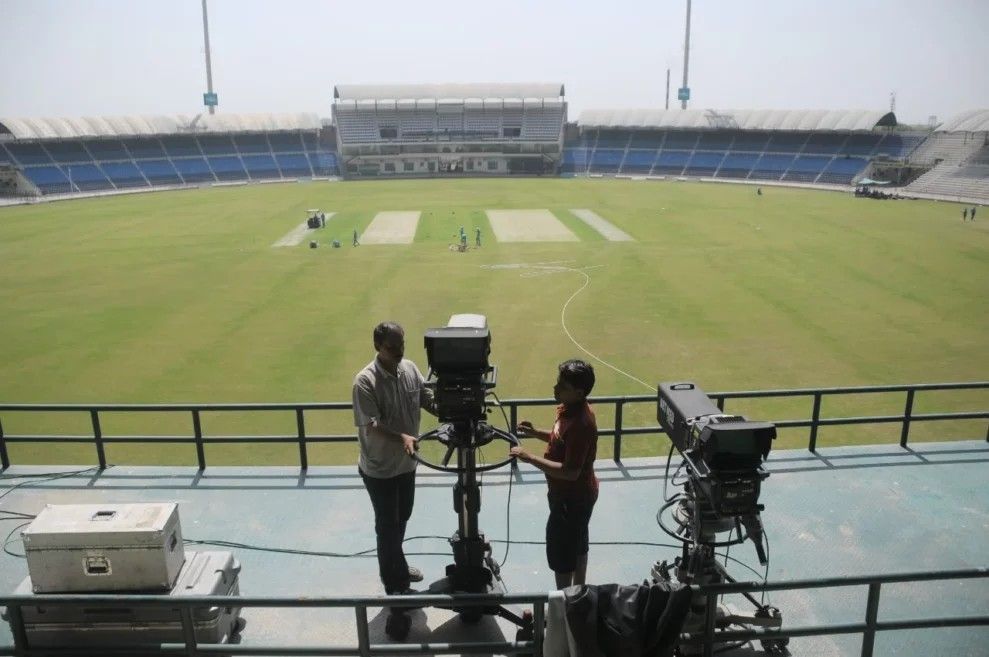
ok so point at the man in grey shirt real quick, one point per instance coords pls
(388, 396)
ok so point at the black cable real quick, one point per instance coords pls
(508, 515)
(42, 477)
(7, 541)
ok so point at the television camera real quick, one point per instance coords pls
(722, 455)
(461, 378)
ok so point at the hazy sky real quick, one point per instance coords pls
(108, 57)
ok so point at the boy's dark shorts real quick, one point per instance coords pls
(566, 532)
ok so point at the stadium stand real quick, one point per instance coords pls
(813, 147)
(958, 156)
(452, 129)
(60, 156)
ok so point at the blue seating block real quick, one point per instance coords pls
(159, 172)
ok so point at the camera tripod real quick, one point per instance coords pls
(698, 524)
(473, 570)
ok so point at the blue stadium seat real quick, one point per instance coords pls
(107, 149)
(652, 139)
(261, 166)
(612, 138)
(293, 164)
(286, 142)
(771, 167)
(605, 160)
(193, 169)
(86, 177)
(324, 163)
(737, 165)
(671, 162)
(227, 167)
(142, 149)
(67, 152)
(639, 161)
(703, 163)
(27, 154)
(681, 139)
(49, 179)
(217, 145)
(825, 142)
(806, 168)
(181, 146)
(786, 142)
(252, 144)
(124, 174)
(575, 160)
(861, 144)
(159, 172)
(754, 142)
(715, 140)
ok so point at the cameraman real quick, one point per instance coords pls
(568, 464)
(388, 396)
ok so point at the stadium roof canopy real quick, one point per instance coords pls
(162, 124)
(796, 120)
(970, 121)
(359, 92)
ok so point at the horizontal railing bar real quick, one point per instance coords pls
(507, 647)
(611, 399)
(156, 601)
(843, 628)
(861, 580)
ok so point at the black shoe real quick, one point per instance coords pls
(415, 575)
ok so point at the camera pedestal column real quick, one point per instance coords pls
(699, 525)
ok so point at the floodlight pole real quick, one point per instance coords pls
(686, 55)
(209, 67)
(667, 87)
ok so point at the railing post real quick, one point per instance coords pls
(363, 638)
(871, 614)
(617, 451)
(98, 437)
(513, 417)
(538, 626)
(16, 619)
(721, 403)
(907, 412)
(300, 423)
(813, 423)
(197, 429)
(188, 631)
(4, 457)
(710, 614)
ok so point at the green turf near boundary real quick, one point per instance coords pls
(179, 297)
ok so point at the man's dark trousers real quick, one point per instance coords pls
(392, 500)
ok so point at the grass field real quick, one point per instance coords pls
(179, 297)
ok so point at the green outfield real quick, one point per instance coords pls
(180, 297)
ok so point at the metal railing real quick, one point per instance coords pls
(710, 638)
(303, 439)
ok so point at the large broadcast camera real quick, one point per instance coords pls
(722, 455)
(462, 378)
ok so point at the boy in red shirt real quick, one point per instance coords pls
(569, 468)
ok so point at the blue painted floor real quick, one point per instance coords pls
(842, 512)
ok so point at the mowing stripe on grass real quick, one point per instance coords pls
(295, 236)
(392, 227)
(609, 230)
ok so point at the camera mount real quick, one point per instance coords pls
(461, 377)
(723, 456)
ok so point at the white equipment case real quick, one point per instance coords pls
(76, 548)
(204, 573)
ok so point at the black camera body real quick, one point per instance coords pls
(459, 371)
(724, 453)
